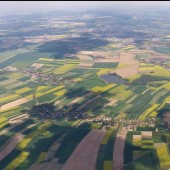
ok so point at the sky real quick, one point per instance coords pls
(19, 7)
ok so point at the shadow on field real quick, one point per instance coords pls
(90, 105)
(71, 46)
(162, 112)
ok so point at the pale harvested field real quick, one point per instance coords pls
(158, 144)
(59, 101)
(86, 61)
(84, 57)
(75, 100)
(37, 65)
(86, 52)
(111, 103)
(128, 71)
(85, 155)
(84, 64)
(132, 63)
(14, 103)
(2, 132)
(118, 151)
(107, 60)
(103, 54)
(137, 137)
(88, 102)
(10, 145)
(41, 39)
(87, 95)
(94, 53)
(38, 39)
(146, 134)
(127, 58)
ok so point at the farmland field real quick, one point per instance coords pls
(85, 90)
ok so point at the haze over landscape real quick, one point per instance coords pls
(84, 85)
(18, 7)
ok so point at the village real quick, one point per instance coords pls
(48, 111)
(156, 59)
(52, 79)
(130, 125)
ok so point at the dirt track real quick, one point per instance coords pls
(85, 155)
(118, 151)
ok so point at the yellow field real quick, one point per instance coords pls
(53, 89)
(10, 97)
(167, 86)
(129, 47)
(120, 92)
(3, 119)
(42, 88)
(113, 45)
(61, 92)
(163, 103)
(148, 111)
(3, 124)
(146, 65)
(160, 71)
(108, 165)
(23, 90)
(106, 137)
(104, 70)
(146, 68)
(163, 155)
(17, 161)
(137, 142)
(46, 59)
(65, 68)
(39, 94)
(122, 65)
(24, 142)
(29, 97)
(72, 61)
(15, 75)
(120, 115)
(132, 78)
(78, 79)
(153, 114)
(41, 157)
(102, 89)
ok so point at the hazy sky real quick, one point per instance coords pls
(8, 7)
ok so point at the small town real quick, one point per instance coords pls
(52, 79)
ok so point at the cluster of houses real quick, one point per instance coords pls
(156, 59)
(50, 113)
(52, 79)
(128, 124)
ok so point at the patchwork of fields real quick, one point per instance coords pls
(116, 122)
